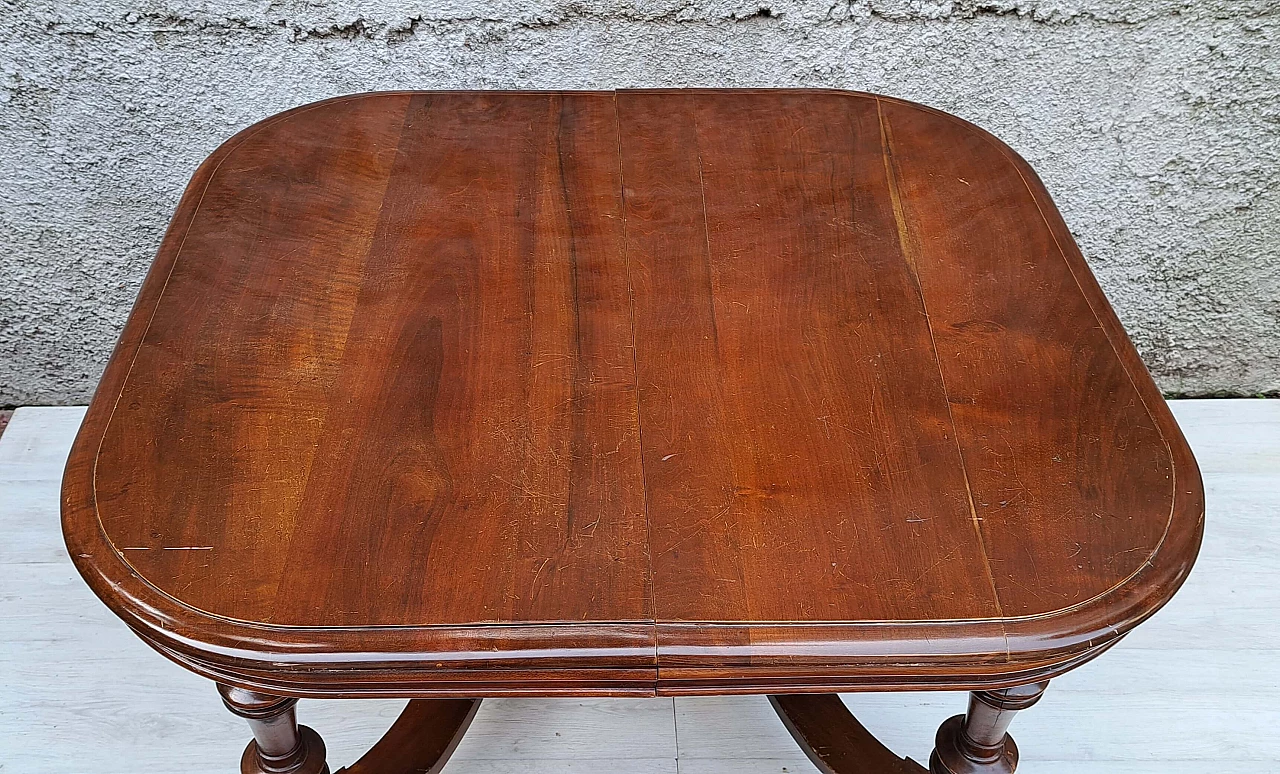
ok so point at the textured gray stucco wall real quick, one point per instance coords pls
(1155, 124)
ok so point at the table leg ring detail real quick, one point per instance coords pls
(420, 741)
(978, 741)
(307, 758)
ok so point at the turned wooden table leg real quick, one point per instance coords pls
(977, 742)
(280, 745)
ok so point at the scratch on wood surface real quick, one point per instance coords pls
(168, 548)
(935, 566)
(706, 234)
(534, 586)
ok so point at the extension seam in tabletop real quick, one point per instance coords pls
(240, 138)
(907, 245)
(635, 380)
(903, 230)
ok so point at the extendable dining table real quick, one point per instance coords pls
(453, 395)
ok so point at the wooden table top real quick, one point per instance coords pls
(678, 391)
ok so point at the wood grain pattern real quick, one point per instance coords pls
(834, 740)
(468, 394)
(1032, 457)
(830, 441)
(421, 740)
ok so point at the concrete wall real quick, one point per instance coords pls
(1155, 124)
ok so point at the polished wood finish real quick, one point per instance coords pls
(421, 740)
(978, 742)
(834, 739)
(472, 394)
(280, 745)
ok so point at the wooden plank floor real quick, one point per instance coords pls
(1196, 689)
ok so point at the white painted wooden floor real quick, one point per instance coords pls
(1196, 689)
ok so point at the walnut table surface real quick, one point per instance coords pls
(466, 394)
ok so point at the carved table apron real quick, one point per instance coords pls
(454, 395)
